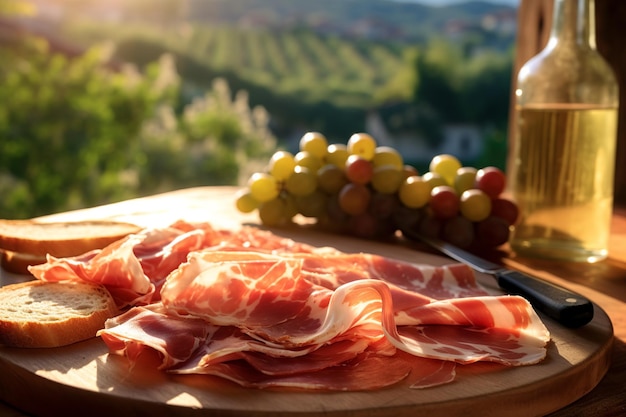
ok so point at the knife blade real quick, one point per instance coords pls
(566, 307)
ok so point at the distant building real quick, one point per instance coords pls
(465, 141)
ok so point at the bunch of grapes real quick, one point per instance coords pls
(368, 191)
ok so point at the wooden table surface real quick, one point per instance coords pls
(605, 284)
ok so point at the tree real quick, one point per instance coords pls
(440, 80)
(77, 132)
(66, 126)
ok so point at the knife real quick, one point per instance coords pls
(566, 307)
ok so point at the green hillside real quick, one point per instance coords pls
(300, 77)
(313, 65)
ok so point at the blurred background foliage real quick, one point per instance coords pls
(207, 105)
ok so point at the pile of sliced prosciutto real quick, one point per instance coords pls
(265, 311)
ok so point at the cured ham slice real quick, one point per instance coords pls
(370, 373)
(295, 321)
(268, 299)
(344, 365)
(265, 311)
(276, 303)
(134, 268)
(438, 282)
(176, 339)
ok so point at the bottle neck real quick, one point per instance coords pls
(574, 23)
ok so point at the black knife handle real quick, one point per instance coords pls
(568, 308)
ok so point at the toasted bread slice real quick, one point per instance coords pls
(38, 314)
(18, 263)
(60, 239)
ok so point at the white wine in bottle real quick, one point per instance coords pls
(564, 148)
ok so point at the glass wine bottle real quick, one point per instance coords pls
(564, 147)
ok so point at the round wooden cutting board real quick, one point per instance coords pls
(83, 378)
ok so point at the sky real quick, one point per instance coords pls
(513, 3)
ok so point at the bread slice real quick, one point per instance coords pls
(18, 263)
(38, 314)
(61, 239)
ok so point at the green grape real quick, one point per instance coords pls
(363, 145)
(312, 205)
(314, 143)
(414, 192)
(475, 205)
(331, 178)
(386, 179)
(446, 166)
(358, 169)
(302, 182)
(244, 201)
(263, 187)
(275, 212)
(281, 165)
(354, 198)
(336, 154)
(434, 180)
(465, 179)
(291, 207)
(386, 155)
(308, 160)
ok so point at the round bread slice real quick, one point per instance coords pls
(38, 314)
(18, 263)
(61, 239)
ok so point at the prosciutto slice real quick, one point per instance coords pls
(276, 303)
(268, 312)
(133, 269)
(306, 320)
(370, 373)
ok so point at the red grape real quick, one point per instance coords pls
(354, 198)
(459, 231)
(490, 180)
(492, 232)
(429, 225)
(334, 212)
(358, 169)
(363, 225)
(382, 205)
(444, 202)
(405, 218)
(505, 209)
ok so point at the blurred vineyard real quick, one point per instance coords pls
(323, 83)
(311, 81)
